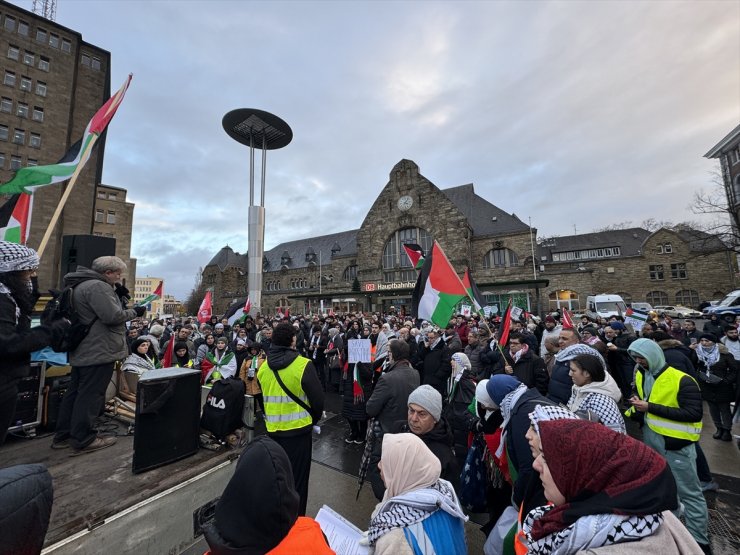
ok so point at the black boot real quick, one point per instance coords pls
(718, 434)
(706, 548)
(726, 435)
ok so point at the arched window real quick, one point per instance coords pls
(688, 298)
(350, 273)
(396, 264)
(564, 298)
(657, 298)
(500, 258)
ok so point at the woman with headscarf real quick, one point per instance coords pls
(460, 393)
(18, 294)
(717, 377)
(182, 356)
(223, 361)
(607, 493)
(595, 390)
(206, 347)
(419, 512)
(140, 360)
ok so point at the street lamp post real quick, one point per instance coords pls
(266, 131)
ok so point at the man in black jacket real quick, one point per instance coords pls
(526, 366)
(435, 358)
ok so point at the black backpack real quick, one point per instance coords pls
(222, 413)
(61, 306)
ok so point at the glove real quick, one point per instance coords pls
(57, 328)
(140, 311)
(122, 291)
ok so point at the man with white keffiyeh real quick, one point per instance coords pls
(18, 295)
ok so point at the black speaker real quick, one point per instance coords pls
(81, 250)
(166, 427)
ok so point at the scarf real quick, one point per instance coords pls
(708, 356)
(409, 508)
(5, 291)
(520, 353)
(572, 351)
(588, 532)
(599, 471)
(219, 359)
(506, 405)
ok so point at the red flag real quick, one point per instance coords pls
(247, 306)
(206, 308)
(505, 326)
(287, 312)
(169, 352)
(280, 312)
(566, 320)
(102, 117)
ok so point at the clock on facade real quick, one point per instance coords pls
(405, 202)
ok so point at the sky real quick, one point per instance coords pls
(577, 115)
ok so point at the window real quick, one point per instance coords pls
(34, 140)
(13, 52)
(23, 28)
(665, 248)
(40, 35)
(2, 161)
(40, 88)
(85, 60)
(688, 297)
(678, 271)
(44, 63)
(96, 64)
(9, 78)
(3, 132)
(9, 23)
(29, 58)
(101, 194)
(564, 298)
(500, 258)
(111, 219)
(350, 273)
(6, 105)
(656, 273)
(657, 298)
(395, 261)
(66, 46)
(15, 162)
(26, 84)
(19, 136)
(21, 110)
(54, 41)
(112, 196)
(99, 215)
(32, 162)
(38, 114)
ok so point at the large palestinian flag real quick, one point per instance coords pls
(438, 289)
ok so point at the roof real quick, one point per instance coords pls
(628, 240)
(717, 149)
(227, 257)
(484, 217)
(699, 241)
(322, 249)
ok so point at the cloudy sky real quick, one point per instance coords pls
(571, 113)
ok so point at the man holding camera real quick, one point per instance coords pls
(100, 299)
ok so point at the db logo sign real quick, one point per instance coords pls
(369, 287)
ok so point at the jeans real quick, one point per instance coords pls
(721, 415)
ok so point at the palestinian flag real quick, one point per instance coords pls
(415, 254)
(503, 338)
(473, 291)
(15, 219)
(154, 296)
(438, 289)
(76, 157)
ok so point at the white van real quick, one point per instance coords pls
(605, 306)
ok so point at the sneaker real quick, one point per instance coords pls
(709, 486)
(63, 444)
(349, 439)
(97, 444)
(359, 441)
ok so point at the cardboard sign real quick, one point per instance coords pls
(465, 310)
(635, 318)
(358, 350)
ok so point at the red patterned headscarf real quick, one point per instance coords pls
(600, 471)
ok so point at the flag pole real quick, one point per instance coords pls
(65, 197)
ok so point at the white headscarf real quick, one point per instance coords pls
(408, 464)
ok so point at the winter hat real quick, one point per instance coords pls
(591, 330)
(616, 326)
(549, 319)
(156, 330)
(462, 360)
(428, 398)
(481, 394)
(16, 258)
(219, 326)
(241, 342)
(499, 386)
(709, 337)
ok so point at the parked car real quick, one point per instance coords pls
(677, 311)
(642, 307)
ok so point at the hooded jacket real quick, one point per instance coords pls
(690, 407)
(95, 297)
(259, 505)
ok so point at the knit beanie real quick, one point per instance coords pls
(616, 326)
(708, 336)
(156, 330)
(500, 385)
(16, 258)
(429, 399)
(462, 360)
(482, 396)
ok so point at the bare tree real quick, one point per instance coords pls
(194, 298)
(724, 223)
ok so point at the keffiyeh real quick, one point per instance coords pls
(16, 258)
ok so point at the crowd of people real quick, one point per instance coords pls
(548, 400)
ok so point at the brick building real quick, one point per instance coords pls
(52, 83)
(367, 269)
(114, 217)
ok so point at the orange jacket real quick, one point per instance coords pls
(305, 537)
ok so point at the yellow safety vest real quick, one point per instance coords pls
(281, 412)
(665, 392)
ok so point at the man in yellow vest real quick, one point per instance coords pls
(294, 402)
(670, 403)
